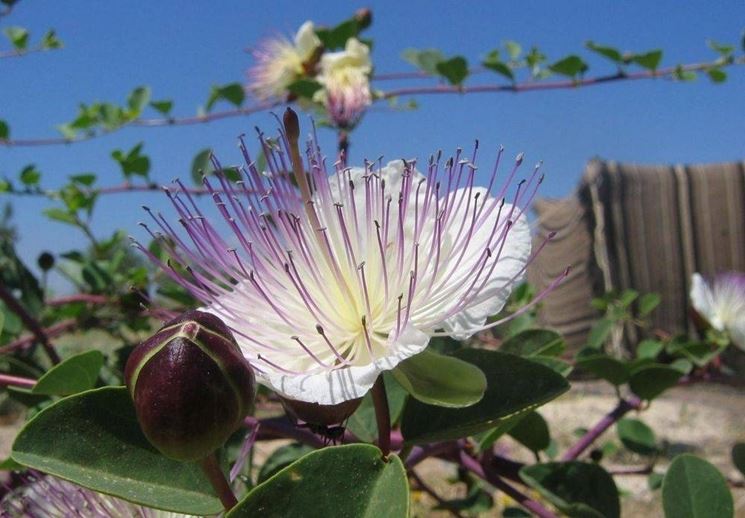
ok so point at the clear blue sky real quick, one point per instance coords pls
(181, 48)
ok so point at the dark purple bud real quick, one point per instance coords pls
(191, 386)
(317, 414)
(291, 124)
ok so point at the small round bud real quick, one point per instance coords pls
(322, 415)
(363, 17)
(45, 261)
(191, 386)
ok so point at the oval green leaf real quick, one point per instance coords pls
(610, 369)
(76, 374)
(738, 456)
(441, 380)
(693, 488)
(535, 342)
(514, 385)
(351, 480)
(577, 488)
(649, 381)
(532, 432)
(363, 423)
(636, 436)
(93, 439)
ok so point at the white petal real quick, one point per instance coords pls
(495, 293)
(702, 300)
(337, 386)
(306, 40)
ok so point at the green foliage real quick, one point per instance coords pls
(514, 385)
(611, 53)
(636, 436)
(232, 93)
(201, 165)
(132, 162)
(738, 456)
(649, 381)
(76, 374)
(280, 459)
(532, 432)
(336, 37)
(93, 439)
(18, 37)
(163, 107)
(493, 62)
(304, 88)
(605, 367)
(535, 342)
(572, 66)
(578, 489)
(693, 488)
(363, 424)
(649, 60)
(455, 70)
(351, 480)
(441, 380)
(4, 130)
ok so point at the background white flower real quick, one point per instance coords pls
(721, 302)
(345, 77)
(280, 62)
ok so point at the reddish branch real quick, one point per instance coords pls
(52, 331)
(526, 86)
(30, 322)
(7, 380)
(622, 408)
(78, 297)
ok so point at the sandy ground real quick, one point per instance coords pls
(703, 419)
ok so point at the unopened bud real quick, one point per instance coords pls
(45, 261)
(191, 386)
(292, 125)
(363, 17)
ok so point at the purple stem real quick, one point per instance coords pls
(584, 442)
(478, 469)
(7, 380)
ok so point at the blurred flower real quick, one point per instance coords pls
(44, 496)
(280, 62)
(345, 77)
(324, 291)
(721, 302)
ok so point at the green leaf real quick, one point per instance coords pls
(455, 70)
(50, 40)
(600, 332)
(86, 179)
(610, 369)
(163, 106)
(18, 36)
(336, 37)
(649, 349)
(532, 432)
(2, 321)
(649, 60)
(514, 49)
(351, 480)
(514, 385)
(76, 374)
(304, 88)
(717, 75)
(138, 99)
(576, 488)
(363, 423)
(232, 93)
(723, 50)
(30, 175)
(281, 458)
(201, 165)
(425, 60)
(4, 130)
(681, 74)
(611, 53)
(61, 215)
(649, 381)
(562, 367)
(738, 455)
(535, 342)
(636, 436)
(93, 439)
(648, 302)
(441, 380)
(492, 62)
(693, 488)
(571, 66)
(134, 162)
(654, 481)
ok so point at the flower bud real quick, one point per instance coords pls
(191, 386)
(321, 415)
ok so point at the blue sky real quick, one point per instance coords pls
(181, 48)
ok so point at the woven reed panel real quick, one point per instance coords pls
(649, 228)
